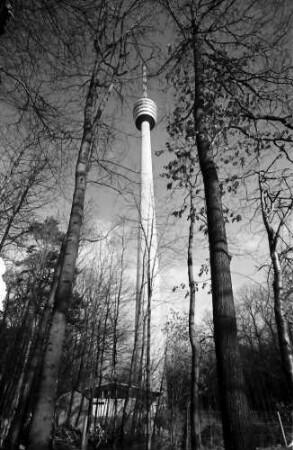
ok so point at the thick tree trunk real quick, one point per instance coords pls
(233, 399)
(194, 395)
(41, 428)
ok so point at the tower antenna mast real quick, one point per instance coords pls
(144, 81)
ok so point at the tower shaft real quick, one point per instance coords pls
(147, 261)
(147, 201)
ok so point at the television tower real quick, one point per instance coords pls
(147, 311)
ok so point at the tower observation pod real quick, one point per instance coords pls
(145, 110)
(147, 310)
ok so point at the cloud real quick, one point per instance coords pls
(251, 244)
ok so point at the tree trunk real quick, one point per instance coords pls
(34, 365)
(148, 352)
(194, 396)
(285, 345)
(233, 400)
(15, 368)
(119, 285)
(42, 422)
(281, 322)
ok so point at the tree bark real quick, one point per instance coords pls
(194, 394)
(233, 399)
(281, 322)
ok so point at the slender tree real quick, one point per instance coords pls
(110, 35)
(276, 206)
(42, 419)
(28, 283)
(264, 374)
(181, 173)
(227, 82)
(25, 401)
(194, 397)
(25, 180)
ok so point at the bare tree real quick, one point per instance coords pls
(28, 285)
(182, 174)
(111, 31)
(215, 74)
(276, 207)
(25, 188)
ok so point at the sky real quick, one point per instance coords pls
(247, 245)
(105, 208)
